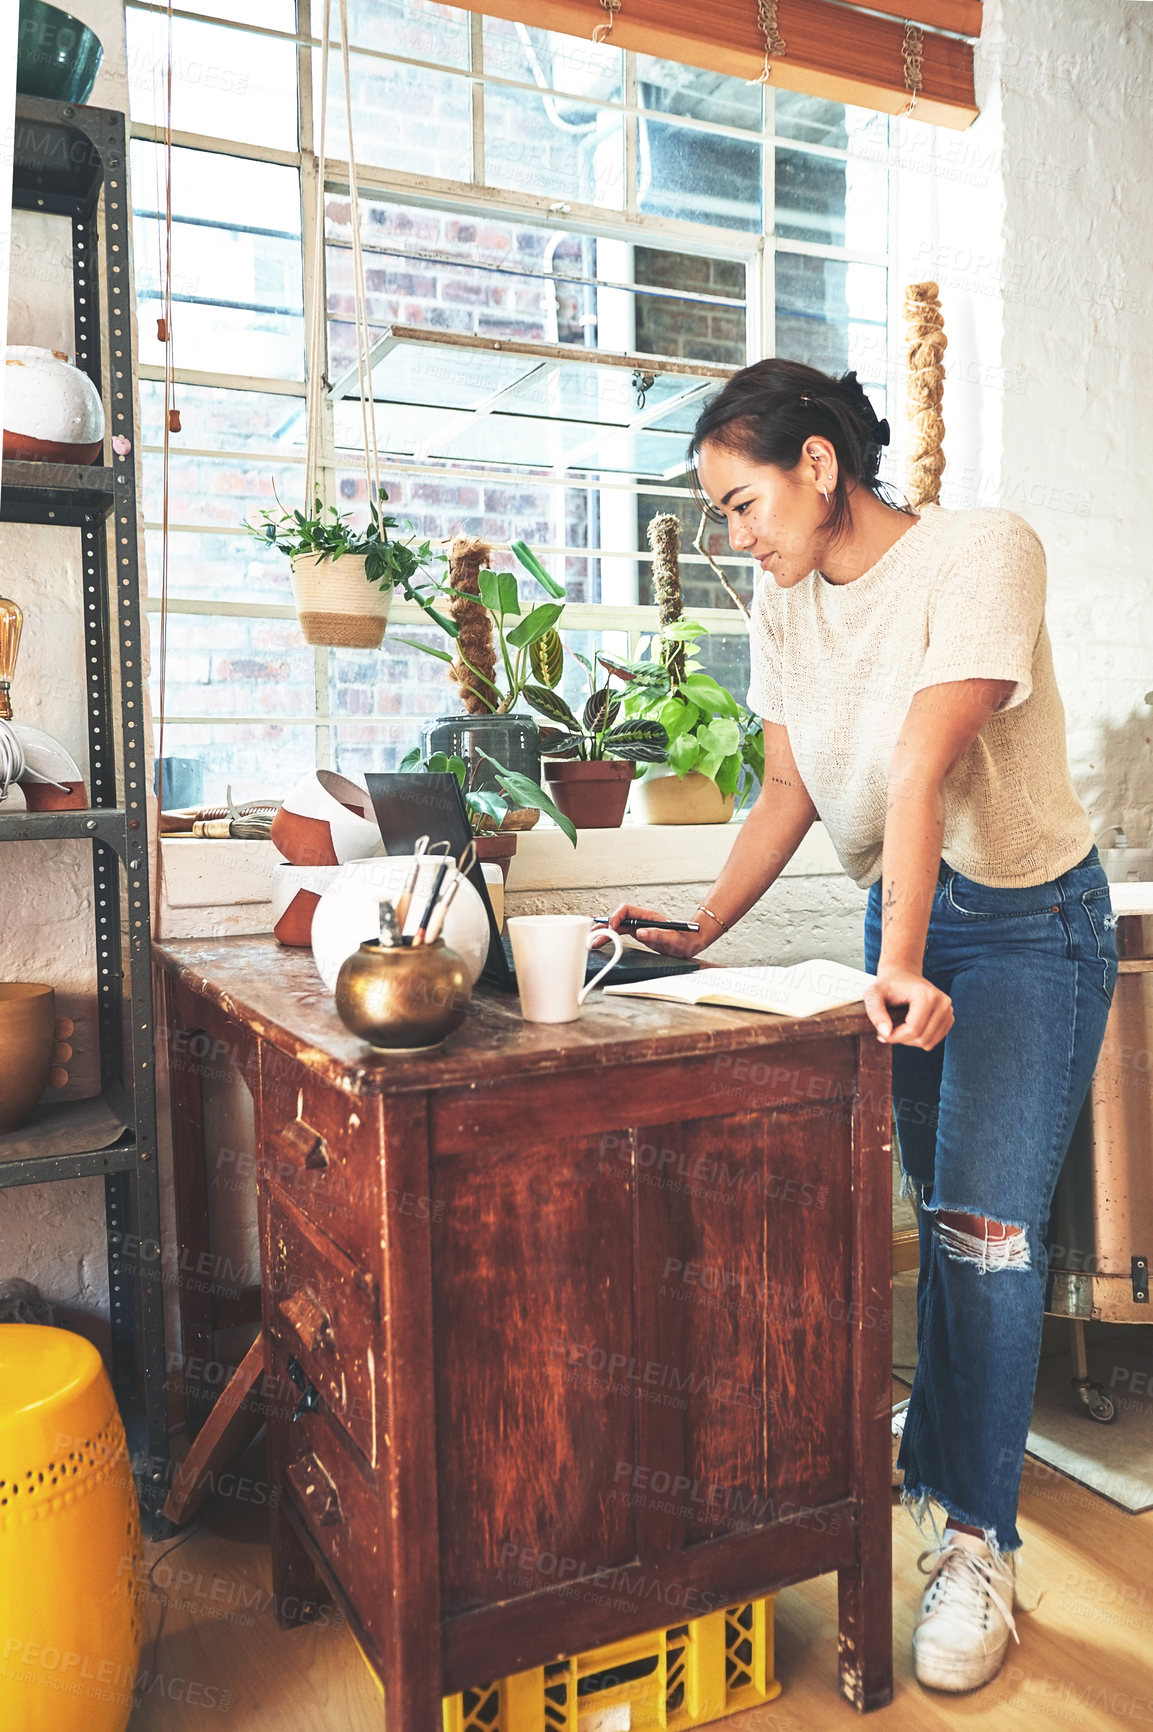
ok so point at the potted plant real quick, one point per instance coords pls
(497, 814)
(343, 577)
(715, 748)
(501, 642)
(590, 760)
(715, 753)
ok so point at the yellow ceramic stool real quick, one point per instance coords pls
(69, 1539)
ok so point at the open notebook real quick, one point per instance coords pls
(802, 990)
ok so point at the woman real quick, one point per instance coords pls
(903, 670)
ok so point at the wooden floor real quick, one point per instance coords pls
(215, 1657)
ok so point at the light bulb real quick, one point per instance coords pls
(11, 621)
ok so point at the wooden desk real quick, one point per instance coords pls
(604, 1305)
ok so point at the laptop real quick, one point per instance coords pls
(431, 804)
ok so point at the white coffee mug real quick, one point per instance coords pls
(549, 952)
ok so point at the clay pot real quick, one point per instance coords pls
(27, 1037)
(673, 799)
(326, 820)
(499, 846)
(52, 411)
(593, 795)
(296, 890)
(335, 603)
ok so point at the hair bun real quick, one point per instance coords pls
(861, 404)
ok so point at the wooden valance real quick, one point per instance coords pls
(843, 52)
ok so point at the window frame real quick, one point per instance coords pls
(756, 251)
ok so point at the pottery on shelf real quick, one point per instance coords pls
(325, 821)
(296, 891)
(336, 605)
(593, 795)
(27, 1037)
(664, 797)
(349, 913)
(56, 55)
(52, 411)
(404, 999)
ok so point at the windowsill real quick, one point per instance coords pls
(217, 887)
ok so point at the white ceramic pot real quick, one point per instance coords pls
(326, 820)
(349, 913)
(335, 603)
(52, 411)
(666, 798)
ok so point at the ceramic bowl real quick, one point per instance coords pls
(296, 890)
(52, 781)
(52, 411)
(349, 913)
(56, 55)
(27, 1037)
(325, 821)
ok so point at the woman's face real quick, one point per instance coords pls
(773, 515)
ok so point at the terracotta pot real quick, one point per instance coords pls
(500, 847)
(52, 411)
(594, 795)
(296, 890)
(335, 603)
(27, 1037)
(326, 820)
(673, 799)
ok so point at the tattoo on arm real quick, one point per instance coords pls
(889, 907)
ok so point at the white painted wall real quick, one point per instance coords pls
(1038, 225)
(54, 1234)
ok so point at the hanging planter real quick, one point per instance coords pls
(335, 603)
(343, 575)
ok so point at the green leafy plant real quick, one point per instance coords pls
(487, 807)
(708, 731)
(388, 562)
(598, 732)
(526, 641)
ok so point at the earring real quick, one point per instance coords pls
(825, 494)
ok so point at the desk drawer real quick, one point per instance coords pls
(323, 1308)
(323, 1149)
(333, 1491)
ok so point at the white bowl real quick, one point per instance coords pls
(326, 820)
(349, 912)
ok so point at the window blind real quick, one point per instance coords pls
(849, 53)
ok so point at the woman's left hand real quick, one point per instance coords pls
(928, 1011)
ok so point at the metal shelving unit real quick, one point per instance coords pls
(72, 161)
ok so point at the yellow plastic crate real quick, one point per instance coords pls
(682, 1676)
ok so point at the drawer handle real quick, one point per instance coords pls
(316, 1491)
(309, 1394)
(308, 1146)
(310, 1320)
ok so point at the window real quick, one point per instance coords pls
(516, 186)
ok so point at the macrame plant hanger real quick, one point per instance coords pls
(318, 308)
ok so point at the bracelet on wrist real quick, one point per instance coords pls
(723, 924)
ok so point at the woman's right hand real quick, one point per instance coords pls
(667, 943)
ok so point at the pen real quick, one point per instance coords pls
(420, 936)
(635, 925)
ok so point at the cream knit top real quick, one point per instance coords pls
(960, 595)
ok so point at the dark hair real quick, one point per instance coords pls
(768, 410)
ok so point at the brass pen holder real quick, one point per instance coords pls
(404, 997)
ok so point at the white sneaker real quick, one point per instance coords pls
(966, 1617)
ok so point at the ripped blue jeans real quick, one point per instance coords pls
(984, 1123)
